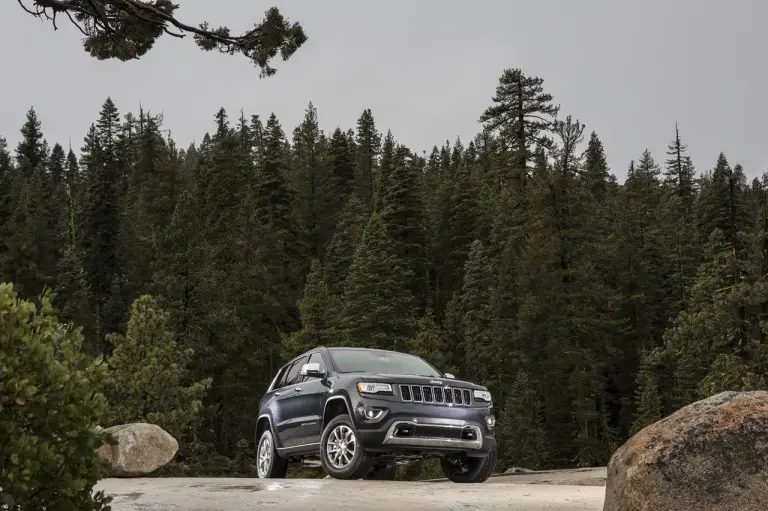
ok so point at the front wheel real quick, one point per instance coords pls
(470, 470)
(269, 465)
(340, 452)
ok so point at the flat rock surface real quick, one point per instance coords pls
(554, 490)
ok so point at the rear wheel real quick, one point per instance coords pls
(342, 456)
(470, 470)
(269, 464)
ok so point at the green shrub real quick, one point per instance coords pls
(50, 403)
(149, 380)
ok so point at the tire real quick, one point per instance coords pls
(476, 470)
(342, 462)
(382, 472)
(269, 464)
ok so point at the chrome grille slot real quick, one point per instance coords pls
(436, 395)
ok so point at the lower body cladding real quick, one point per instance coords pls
(469, 431)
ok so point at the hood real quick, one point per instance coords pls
(416, 380)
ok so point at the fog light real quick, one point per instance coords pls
(373, 414)
(490, 421)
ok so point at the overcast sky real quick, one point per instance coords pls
(427, 69)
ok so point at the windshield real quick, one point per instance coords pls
(387, 362)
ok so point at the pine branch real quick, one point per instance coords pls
(134, 25)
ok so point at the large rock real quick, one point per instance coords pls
(141, 448)
(712, 454)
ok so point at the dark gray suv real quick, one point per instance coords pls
(361, 412)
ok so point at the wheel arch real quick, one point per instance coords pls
(264, 423)
(335, 406)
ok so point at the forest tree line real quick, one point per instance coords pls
(589, 307)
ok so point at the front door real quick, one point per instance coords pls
(301, 405)
(311, 398)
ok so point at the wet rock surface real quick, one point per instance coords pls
(712, 454)
(224, 494)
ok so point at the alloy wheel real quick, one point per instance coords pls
(341, 446)
(265, 456)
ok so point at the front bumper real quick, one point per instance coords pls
(415, 427)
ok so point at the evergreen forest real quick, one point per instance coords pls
(589, 307)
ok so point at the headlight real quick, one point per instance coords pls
(483, 395)
(373, 388)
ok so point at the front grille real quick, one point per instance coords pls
(436, 395)
(436, 432)
(430, 431)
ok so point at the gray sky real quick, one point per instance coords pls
(427, 69)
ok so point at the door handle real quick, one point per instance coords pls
(297, 389)
(277, 394)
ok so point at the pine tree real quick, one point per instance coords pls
(72, 174)
(402, 213)
(647, 397)
(384, 171)
(73, 294)
(596, 171)
(100, 213)
(29, 257)
(679, 174)
(273, 213)
(522, 111)
(149, 379)
(316, 307)
(457, 222)
(429, 343)
(521, 426)
(56, 202)
(722, 203)
(479, 353)
(368, 144)
(679, 229)
(341, 163)
(7, 185)
(312, 183)
(378, 307)
(149, 202)
(341, 249)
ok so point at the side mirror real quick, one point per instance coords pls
(312, 370)
(450, 376)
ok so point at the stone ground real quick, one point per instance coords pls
(574, 490)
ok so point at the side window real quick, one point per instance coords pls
(293, 374)
(315, 357)
(280, 381)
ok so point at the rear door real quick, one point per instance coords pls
(289, 409)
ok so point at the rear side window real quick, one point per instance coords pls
(280, 377)
(293, 375)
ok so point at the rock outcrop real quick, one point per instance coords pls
(712, 454)
(141, 449)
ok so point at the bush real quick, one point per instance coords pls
(149, 376)
(50, 403)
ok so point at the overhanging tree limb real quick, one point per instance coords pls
(127, 29)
